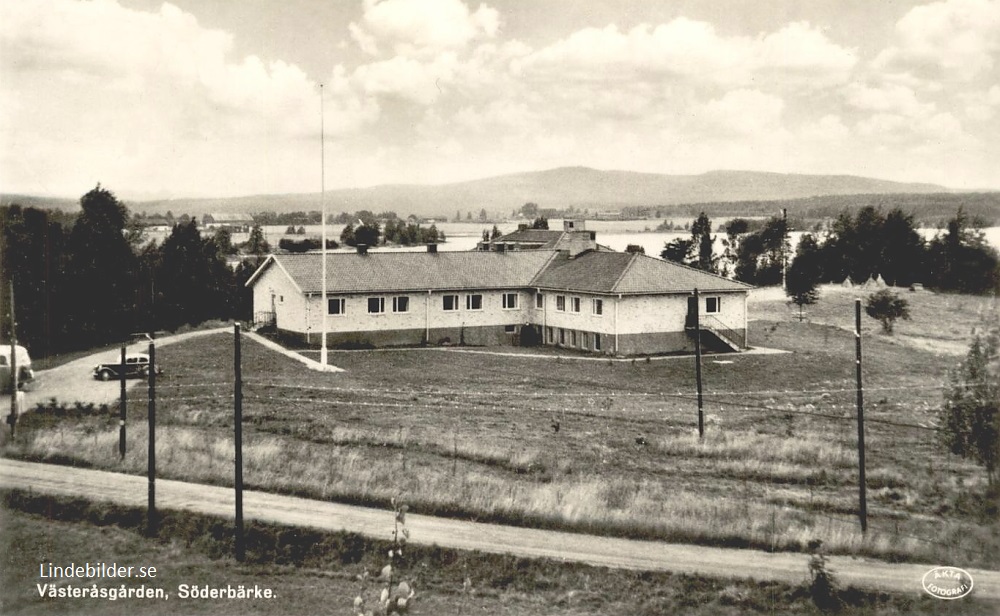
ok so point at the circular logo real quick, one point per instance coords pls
(947, 582)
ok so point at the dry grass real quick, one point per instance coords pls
(477, 438)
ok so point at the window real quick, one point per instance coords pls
(575, 302)
(562, 336)
(509, 301)
(376, 305)
(713, 304)
(336, 306)
(510, 329)
(450, 302)
(401, 304)
(572, 338)
(561, 303)
(474, 301)
(598, 306)
(281, 299)
(539, 301)
(597, 342)
(584, 340)
(551, 335)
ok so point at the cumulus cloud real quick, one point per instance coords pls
(133, 88)
(693, 50)
(423, 26)
(954, 40)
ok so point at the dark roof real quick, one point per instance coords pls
(545, 237)
(589, 272)
(385, 272)
(620, 272)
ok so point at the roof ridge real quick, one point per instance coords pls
(625, 270)
(701, 271)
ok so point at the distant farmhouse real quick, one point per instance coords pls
(568, 294)
(235, 223)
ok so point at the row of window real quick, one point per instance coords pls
(572, 338)
(401, 303)
(596, 305)
(474, 301)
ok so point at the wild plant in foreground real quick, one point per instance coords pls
(394, 598)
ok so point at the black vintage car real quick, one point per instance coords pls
(136, 366)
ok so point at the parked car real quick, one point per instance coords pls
(24, 372)
(136, 366)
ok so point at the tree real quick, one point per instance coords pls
(677, 250)
(886, 307)
(192, 279)
(540, 223)
(970, 416)
(347, 236)
(961, 260)
(804, 274)
(702, 241)
(101, 272)
(530, 210)
(257, 244)
(635, 249)
(482, 215)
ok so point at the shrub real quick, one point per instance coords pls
(886, 307)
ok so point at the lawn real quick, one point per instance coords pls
(597, 447)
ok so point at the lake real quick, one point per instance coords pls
(615, 234)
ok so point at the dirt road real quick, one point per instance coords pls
(601, 551)
(74, 381)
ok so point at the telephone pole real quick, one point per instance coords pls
(238, 440)
(862, 489)
(697, 362)
(323, 309)
(12, 418)
(151, 465)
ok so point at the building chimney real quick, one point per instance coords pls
(432, 248)
(362, 249)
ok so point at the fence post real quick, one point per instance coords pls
(862, 489)
(697, 363)
(151, 466)
(238, 441)
(121, 408)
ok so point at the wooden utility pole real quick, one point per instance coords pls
(697, 363)
(151, 467)
(121, 407)
(238, 439)
(862, 489)
(12, 418)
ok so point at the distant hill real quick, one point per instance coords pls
(579, 187)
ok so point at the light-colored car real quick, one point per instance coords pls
(24, 372)
(136, 366)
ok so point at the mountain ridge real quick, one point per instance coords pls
(559, 188)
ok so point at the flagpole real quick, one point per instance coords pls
(322, 198)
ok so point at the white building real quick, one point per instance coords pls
(603, 302)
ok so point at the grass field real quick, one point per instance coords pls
(598, 447)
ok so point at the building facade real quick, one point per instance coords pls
(596, 301)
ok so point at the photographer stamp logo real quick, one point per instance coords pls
(947, 582)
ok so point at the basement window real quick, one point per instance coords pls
(713, 305)
(336, 306)
(510, 329)
(449, 303)
(376, 305)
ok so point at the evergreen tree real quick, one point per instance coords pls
(970, 417)
(101, 272)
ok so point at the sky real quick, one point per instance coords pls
(212, 98)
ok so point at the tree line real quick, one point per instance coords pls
(91, 279)
(855, 247)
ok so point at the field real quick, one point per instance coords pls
(591, 446)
